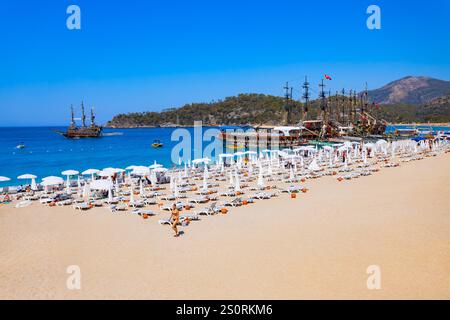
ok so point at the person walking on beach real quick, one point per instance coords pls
(175, 219)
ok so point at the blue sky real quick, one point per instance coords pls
(149, 55)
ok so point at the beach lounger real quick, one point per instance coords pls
(45, 200)
(97, 203)
(23, 204)
(136, 204)
(261, 195)
(199, 200)
(293, 189)
(190, 216)
(234, 203)
(82, 206)
(142, 212)
(64, 202)
(149, 202)
(169, 207)
(115, 208)
(112, 201)
(213, 208)
(228, 194)
(168, 197)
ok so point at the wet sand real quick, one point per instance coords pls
(318, 245)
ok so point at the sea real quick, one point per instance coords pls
(48, 153)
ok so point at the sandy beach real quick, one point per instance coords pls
(318, 245)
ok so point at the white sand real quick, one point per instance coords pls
(316, 246)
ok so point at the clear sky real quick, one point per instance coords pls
(149, 55)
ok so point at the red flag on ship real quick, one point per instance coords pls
(327, 77)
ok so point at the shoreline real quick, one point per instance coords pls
(317, 246)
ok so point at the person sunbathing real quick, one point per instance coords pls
(175, 219)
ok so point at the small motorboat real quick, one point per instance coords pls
(157, 144)
(20, 146)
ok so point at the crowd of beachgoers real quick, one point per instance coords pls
(202, 187)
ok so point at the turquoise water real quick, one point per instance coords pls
(390, 129)
(48, 153)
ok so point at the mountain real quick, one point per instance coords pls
(410, 90)
(411, 99)
(237, 110)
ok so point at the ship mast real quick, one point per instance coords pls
(288, 98)
(323, 104)
(330, 105)
(72, 121)
(83, 116)
(92, 117)
(306, 98)
(343, 106)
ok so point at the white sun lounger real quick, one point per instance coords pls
(234, 203)
(115, 208)
(213, 208)
(82, 206)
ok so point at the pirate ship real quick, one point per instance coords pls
(343, 116)
(83, 131)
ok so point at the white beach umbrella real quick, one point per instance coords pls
(205, 182)
(141, 188)
(140, 170)
(155, 165)
(86, 190)
(237, 186)
(116, 186)
(153, 178)
(269, 169)
(105, 174)
(131, 194)
(171, 185)
(250, 168)
(29, 176)
(102, 184)
(69, 173)
(291, 174)
(4, 179)
(176, 192)
(52, 181)
(90, 172)
(260, 178)
(313, 166)
(206, 172)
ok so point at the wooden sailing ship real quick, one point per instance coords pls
(83, 131)
(342, 116)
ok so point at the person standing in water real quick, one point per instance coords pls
(175, 219)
